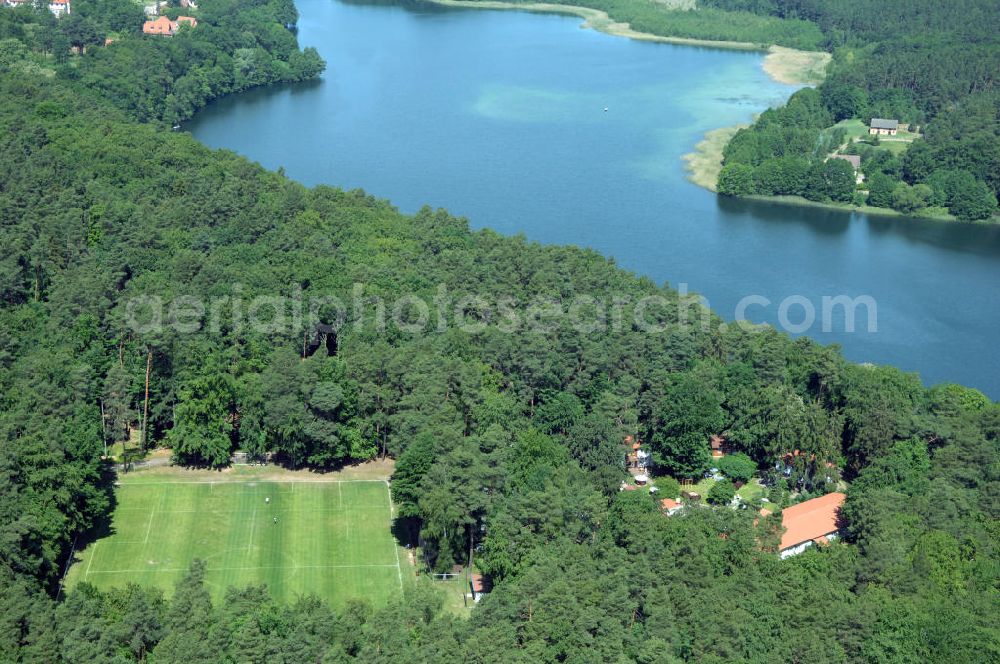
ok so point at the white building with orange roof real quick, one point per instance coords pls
(59, 7)
(811, 522)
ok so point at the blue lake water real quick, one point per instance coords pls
(499, 116)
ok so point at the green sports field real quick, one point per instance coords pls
(331, 538)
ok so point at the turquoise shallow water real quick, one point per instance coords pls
(499, 116)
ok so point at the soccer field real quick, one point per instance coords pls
(331, 538)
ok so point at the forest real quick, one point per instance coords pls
(236, 46)
(508, 436)
(930, 65)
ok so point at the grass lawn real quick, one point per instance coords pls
(332, 536)
(751, 491)
(852, 129)
(856, 129)
(897, 146)
(702, 487)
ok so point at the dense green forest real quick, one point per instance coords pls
(929, 64)
(506, 434)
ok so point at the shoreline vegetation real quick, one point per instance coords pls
(784, 65)
(705, 162)
(850, 207)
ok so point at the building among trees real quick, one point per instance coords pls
(883, 127)
(814, 521)
(57, 7)
(164, 26)
(719, 446)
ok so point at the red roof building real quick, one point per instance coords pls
(810, 522)
(718, 445)
(164, 26)
(59, 7)
(478, 586)
(161, 26)
(670, 506)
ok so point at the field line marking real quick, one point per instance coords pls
(69, 561)
(255, 567)
(145, 540)
(395, 547)
(253, 520)
(90, 561)
(152, 513)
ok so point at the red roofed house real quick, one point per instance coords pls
(161, 26)
(164, 26)
(478, 586)
(59, 7)
(719, 446)
(811, 522)
(670, 506)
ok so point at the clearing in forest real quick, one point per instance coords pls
(326, 536)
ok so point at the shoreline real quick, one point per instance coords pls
(705, 161)
(783, 65)
(869, 210)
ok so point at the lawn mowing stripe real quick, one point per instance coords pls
(320, 539)
(247, 538)
(306, 530)
(175, 545)
(270, 550)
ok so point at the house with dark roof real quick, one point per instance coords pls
(883, 127)
(811, 522)
(855, 162)
(852, 159)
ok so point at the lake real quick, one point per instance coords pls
(500, 116)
